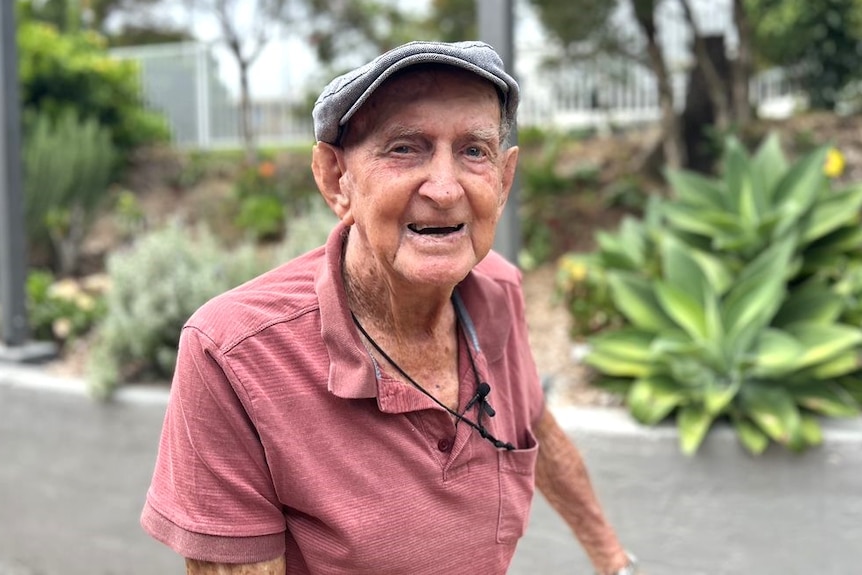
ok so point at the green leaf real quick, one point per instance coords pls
(634, 298)
(840, 241)
(683, 308)
(697, 190)
(696, 221)
(737, 175)
(812, 301)
(718, 395)
(749, 210)
(768, 166)
(831, 213)
(615, 254)
(716, 272)
(754, 440)
(776, 353)
(842, 364)
(680, 269)
(827, 399)
(772, 409)
(633, 238)
(823, 342)
(759, 291)
(651, 399)
(802, 183)
(693, 422)
(625, 343)
(614, 365)
(809, 434)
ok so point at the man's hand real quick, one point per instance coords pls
(274, 567)
(562, 478)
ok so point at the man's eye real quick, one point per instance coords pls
(401, 149)
(475, 152)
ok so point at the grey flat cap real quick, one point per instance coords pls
(347, 93)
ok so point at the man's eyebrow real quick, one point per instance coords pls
(485, 134)
(401, 132)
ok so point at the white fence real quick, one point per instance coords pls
(181, 81)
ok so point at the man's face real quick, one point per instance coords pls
(426, 177)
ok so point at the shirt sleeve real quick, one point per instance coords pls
(212, 496)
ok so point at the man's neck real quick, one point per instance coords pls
(406, 313)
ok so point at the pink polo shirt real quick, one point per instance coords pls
(283, 436)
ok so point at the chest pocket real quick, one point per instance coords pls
(516, 475)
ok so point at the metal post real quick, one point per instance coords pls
(13, 257)
(496, 27)
(14, 340)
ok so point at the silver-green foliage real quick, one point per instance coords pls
(730, 292)
(161, 280)
(67, 169)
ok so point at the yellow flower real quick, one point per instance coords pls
(834, 165)
(575, 270)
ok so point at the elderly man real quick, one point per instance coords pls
(372, 407)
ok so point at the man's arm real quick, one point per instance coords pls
(273, 567)
(562, 478)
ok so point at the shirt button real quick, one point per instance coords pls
(444, 444)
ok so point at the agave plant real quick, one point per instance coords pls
(730, 296)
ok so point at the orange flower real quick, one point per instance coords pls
(266, 170)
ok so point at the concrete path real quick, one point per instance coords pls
(73, 474)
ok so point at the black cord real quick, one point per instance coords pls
(458, 416)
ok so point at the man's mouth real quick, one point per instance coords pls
(434, 230)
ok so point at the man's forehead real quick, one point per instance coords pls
(412, 88)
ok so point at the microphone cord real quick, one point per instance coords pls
(458, 416)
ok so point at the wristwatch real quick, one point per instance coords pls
(631, 568)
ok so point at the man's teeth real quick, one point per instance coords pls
(427, 230)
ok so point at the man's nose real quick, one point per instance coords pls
(442, 184)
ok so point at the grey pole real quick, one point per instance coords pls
(13, 257)
(496, 27)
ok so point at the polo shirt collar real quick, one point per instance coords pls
(352, 373)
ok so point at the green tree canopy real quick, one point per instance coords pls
(820, 41)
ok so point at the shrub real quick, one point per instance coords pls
(731, 296)
(63, 72)
(65, 310)
(584, 289)
(67, 168)
(161, 280)
(268, 195)
(155, 286)
(543, 188)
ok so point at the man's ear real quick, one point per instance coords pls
(510, 165)
(327, 165)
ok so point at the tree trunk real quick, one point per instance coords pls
(245, 120)
(717, 90)
(674, 153)
(700, 113)
(741, 71)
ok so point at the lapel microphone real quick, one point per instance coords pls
(482, 391)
